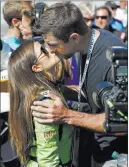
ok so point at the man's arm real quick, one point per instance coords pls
(57, 113)
(90, 121)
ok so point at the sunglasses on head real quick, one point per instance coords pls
(102, 17)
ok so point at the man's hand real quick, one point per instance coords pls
(56, 112)
(49, 112)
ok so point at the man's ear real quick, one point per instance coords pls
(15, 22)
(74, 37)
(36, 68)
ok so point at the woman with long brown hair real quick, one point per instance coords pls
(32, 70)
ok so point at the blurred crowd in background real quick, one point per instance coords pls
(113, 15)
(110, 16)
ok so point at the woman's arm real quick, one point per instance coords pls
(53, 143)
(47, 141)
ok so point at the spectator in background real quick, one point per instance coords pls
(102, 17)
(121, 12)
(116, 25)
(26, 25)
(12, 12)
(105, 20)
(87, 13)
(112, 7)
(121, 15)
(29, 18)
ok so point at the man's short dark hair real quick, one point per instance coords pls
(62, 19)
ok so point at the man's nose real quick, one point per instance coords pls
(99, 19)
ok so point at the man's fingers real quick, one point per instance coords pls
(39, 109)
(42, 115)
(43, 121)
(42, 103)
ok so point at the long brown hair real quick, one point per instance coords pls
(24, 85)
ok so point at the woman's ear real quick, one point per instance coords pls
(36, 68)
